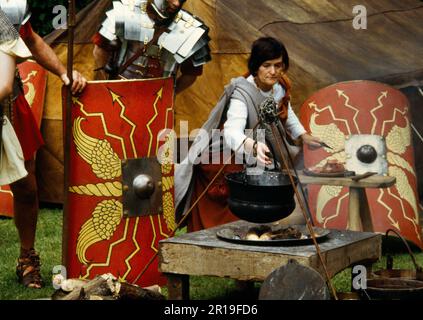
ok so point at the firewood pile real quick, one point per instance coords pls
(104, 287)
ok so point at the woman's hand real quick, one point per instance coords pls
(312, 142)
(261, 151)
(258, 150)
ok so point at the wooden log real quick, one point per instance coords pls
(107, 287)
(132, 292)
(98, 286)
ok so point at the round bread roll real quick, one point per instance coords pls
(265, 236)
(251, 236)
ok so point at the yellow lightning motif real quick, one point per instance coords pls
(168, 110)
(6, 191)
(30, 75)
(160, 227)
(103, 122)
(31, 90)
(396, 110)
(383, 94)
(154, 234)
(116, 98)
(390, 218)
(329, 107)
(347, 100)
(159, 96)
(338, 208)
(134, 240)
(109, 254)
(403, 213)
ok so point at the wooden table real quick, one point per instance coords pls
(201, 253)
(358, 210)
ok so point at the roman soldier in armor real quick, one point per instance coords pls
(152, 39)
(18, 42)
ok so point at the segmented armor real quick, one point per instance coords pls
(151, 47)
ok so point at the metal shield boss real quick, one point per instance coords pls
(367, 125)
(120, 200)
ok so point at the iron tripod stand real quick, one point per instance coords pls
(268, 115)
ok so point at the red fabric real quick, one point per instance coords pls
(102, 42)
(212, 210)
(26, 128)
(26, 31)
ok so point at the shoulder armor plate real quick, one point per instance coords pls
(17, 11)
(187, 35)
(128, 20)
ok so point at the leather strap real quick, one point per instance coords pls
(139, 52)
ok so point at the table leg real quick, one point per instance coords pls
(354, 220)
(177, 286)
(359, 218)
(366, 219)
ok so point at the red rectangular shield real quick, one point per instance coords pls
(34, 78)
(112, 121)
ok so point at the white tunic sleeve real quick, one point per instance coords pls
(235, 124)
(293, 124)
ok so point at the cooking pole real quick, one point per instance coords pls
(68, 126)
(282, 142)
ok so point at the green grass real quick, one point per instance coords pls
(48, 244)
(201, 288)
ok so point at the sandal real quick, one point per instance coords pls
(28, 270)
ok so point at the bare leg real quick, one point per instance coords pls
(26, 214)
(26, 206)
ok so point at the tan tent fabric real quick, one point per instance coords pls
(324, 48)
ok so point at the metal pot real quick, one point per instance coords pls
(405, 274)
(393, 289)
(260, 198)
(392, 283)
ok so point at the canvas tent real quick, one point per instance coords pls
(324, 48)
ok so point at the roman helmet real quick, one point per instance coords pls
(161, 7)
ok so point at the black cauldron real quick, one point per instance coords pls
(260, 198)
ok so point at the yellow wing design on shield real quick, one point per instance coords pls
(106, 217)
(104, 162)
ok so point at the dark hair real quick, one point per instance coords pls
(266, 48)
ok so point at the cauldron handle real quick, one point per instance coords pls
(418, 268)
